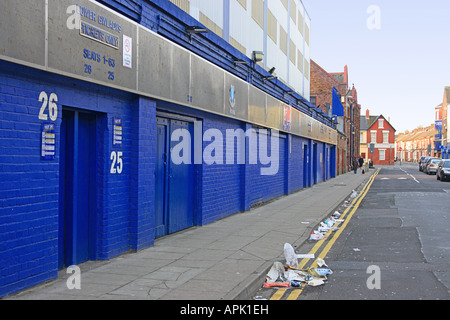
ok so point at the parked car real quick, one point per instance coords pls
(432, 166)
(427, 164)
(443, 170)
(422, 161)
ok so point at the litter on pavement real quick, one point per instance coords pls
(289, 255)
(325, 226)
(290, 276)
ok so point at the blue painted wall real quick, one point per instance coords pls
(29, 192)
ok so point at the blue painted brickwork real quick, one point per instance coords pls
(221, 189)
(320, 162)
(296, 163)
(29, 192)
(143, 178)
(263, 188)
(219, 185)
(29, 188)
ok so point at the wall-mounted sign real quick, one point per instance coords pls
(127, 52)
(48, 142)
(287, 118)
(117, 132)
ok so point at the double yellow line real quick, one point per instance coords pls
(350, 211)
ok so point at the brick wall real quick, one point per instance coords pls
(389, 152)
(221, 183)
(29, 192)
(322, 84)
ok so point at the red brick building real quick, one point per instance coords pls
(412, 145)
(322, 86)
(382, 134)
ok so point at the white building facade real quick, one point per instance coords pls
(278, 28)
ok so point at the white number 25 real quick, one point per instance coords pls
(117, 162)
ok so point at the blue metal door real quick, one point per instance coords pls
(181, 184)
(161, 178)
(333, 162)
(174, 195)
(77, 199)
(305, 166)
(314, 163)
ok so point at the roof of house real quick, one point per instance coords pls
(416, 134)
(363, 123)
(447, 94)
(373, 119)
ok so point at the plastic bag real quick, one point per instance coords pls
(290, 256)
(324, 271)
(276, 273)
(316, 236)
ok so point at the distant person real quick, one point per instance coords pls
(361, 162)
(355, 165)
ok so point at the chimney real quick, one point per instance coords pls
(367, 114)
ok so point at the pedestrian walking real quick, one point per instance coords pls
(355, 165)
(360, 161)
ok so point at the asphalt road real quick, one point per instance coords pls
(395, 246)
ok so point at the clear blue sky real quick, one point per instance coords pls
(399, 70)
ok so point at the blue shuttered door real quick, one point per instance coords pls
(161, 178)
(181, 184)
(174, 195)
(77, 199)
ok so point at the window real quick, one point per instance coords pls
(293, 11)
(307, 71)
(299, 61)
(243, 3)
(182, 4)
(272, 26)
(373, 136)
(382, 154)
(307, 34)
(283, 40)
(258, 12)
(300, 22)
(381, 123)
(385, 136)
(292, 51)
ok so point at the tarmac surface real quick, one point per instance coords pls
(225, 260)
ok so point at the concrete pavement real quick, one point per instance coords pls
(227, 259)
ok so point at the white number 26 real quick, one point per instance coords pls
(52, 106)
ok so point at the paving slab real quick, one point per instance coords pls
(227, 259)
